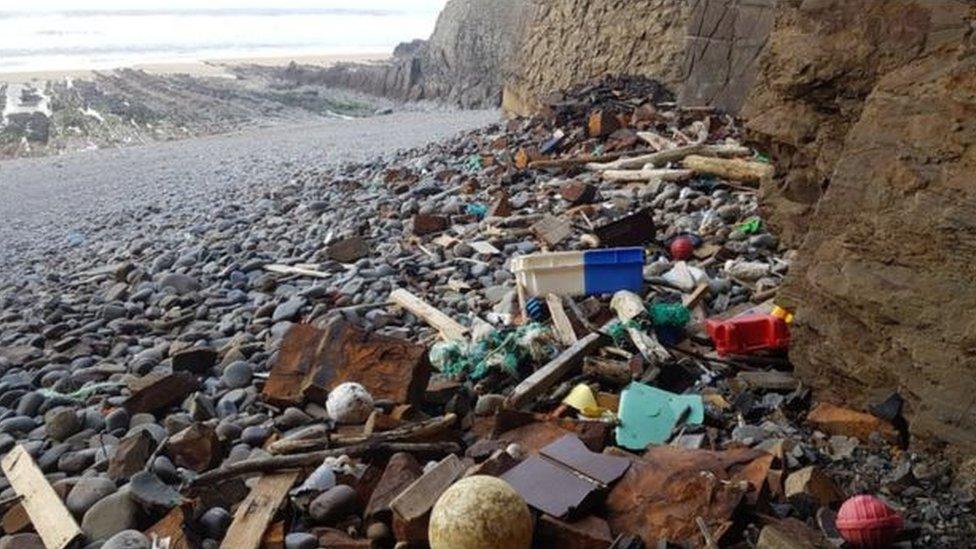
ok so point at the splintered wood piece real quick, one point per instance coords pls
(564, 328)
(551, 373)
(552, 230)
(257, 510)
(691, 301)
(447, 326)
(51, 519)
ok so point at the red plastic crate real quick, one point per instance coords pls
(748, 334)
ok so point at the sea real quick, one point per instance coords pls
(53, 35)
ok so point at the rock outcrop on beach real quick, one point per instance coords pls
(867, 109)
(126, 107)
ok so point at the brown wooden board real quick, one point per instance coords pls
(256, 511)
(51, 519)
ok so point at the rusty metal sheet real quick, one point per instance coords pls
(571, 452)
(663, 493)
(312, 361)
(553, 489)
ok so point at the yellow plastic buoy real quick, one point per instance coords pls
(480, 512)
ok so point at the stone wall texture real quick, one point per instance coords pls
(870, 110)
(571, 41)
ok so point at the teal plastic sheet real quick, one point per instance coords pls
(648, 415)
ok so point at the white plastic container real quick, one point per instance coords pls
(560, 273)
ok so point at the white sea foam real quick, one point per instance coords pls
(78, 36)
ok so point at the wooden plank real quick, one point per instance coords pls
(447, 326)
(51, 519)
(289, 270)
(552, 230)
(564, 328)
(256, 511)
(551, 373)
(412, 507)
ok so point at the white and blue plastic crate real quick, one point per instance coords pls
(580, 273)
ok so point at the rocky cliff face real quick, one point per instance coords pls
(571, 41)
(870, 111)
(823, 60)
(462, 62)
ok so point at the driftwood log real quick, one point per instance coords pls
(314, 459)
(736, 169)
(580, 160)
(670, 155)
(414, 431)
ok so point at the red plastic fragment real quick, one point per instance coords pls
(748, 334)
(866, 522)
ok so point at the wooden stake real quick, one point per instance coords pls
(661, 174)
(420, 430)
(50, 517)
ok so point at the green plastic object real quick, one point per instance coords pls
(669, 314)
(750, 226)
(648, 415)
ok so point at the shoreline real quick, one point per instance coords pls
(216, 67)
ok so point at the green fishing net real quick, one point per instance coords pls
(503, 349)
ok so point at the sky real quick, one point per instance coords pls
(55, 5)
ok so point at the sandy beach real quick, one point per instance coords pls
(203, 68)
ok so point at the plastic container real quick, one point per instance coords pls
(748, 334)
(614, 269)
(580, 273)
